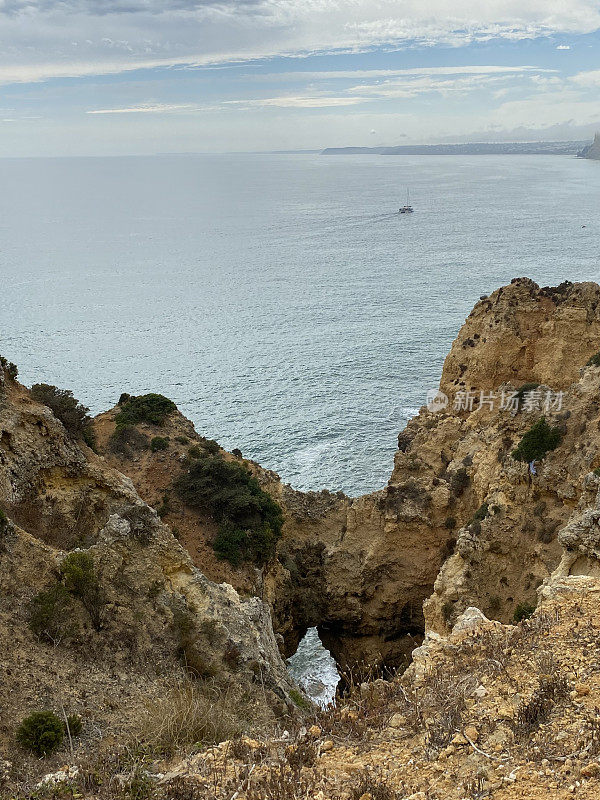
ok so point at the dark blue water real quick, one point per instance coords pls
(279, 300)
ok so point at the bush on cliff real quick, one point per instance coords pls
(459, 481)
(594, 361)
(49, 614)
(80, 580)
(537, 442)
(10, 368)
(151, 408)
(523, 611)
(126, 440)
(73, 414)
(159, 443)
(250, 520)
(41, 732)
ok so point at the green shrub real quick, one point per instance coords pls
(165, 507)
(448, 611)
(597, 471)
(49, 616)
(231, 544)
(531, 386)
(299, 700)
(594, 361)
(206, 446)
(4, 528)
(481, 513)
(73, 415)
(210, 445)
(10, 368)
(182, 439)
(41, 732)
(159, 443)
(126, 439)
(75, 724)
(237, 545)
(251, 520)
(539, 440)
(523, 611)
(450, 523)
(494, 604)
(151, 408)
(80, 580)
(459, 481)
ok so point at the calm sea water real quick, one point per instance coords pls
(278, 299)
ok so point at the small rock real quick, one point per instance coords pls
(314, 731)
(472, 732)
(446, 752)
(397, 721)
(327, 746)
(459, 739)
(591, 770)
(582, 690)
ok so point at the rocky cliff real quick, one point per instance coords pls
(103, 613)
(361, 569)
(592, 150)
(488, 710)
(491, 502)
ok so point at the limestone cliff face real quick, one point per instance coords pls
(500, 559)
(361, 569)
(522, 333)
(157, 610)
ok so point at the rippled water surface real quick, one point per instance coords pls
(278, 299)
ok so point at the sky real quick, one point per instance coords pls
(116, 77)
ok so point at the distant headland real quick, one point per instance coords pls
(576, 148)
(591, 150)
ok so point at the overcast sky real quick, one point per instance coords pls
(145, 76)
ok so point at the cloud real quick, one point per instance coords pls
(357, 74)
(405, 84)
(562, 108)
(587, 80)
(299, 101)
(41, 39)
(415, 85)
(564, 47)
(159, 108)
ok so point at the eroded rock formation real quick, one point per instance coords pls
(109, 648)
(360, 569)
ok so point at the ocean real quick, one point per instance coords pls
(280, 300)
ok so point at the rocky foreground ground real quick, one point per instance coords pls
(131, 601)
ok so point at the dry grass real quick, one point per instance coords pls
(191, 714)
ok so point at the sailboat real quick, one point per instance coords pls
(406, 209)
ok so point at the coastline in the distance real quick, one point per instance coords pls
(470, 148)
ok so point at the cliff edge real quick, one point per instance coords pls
(592, 150)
